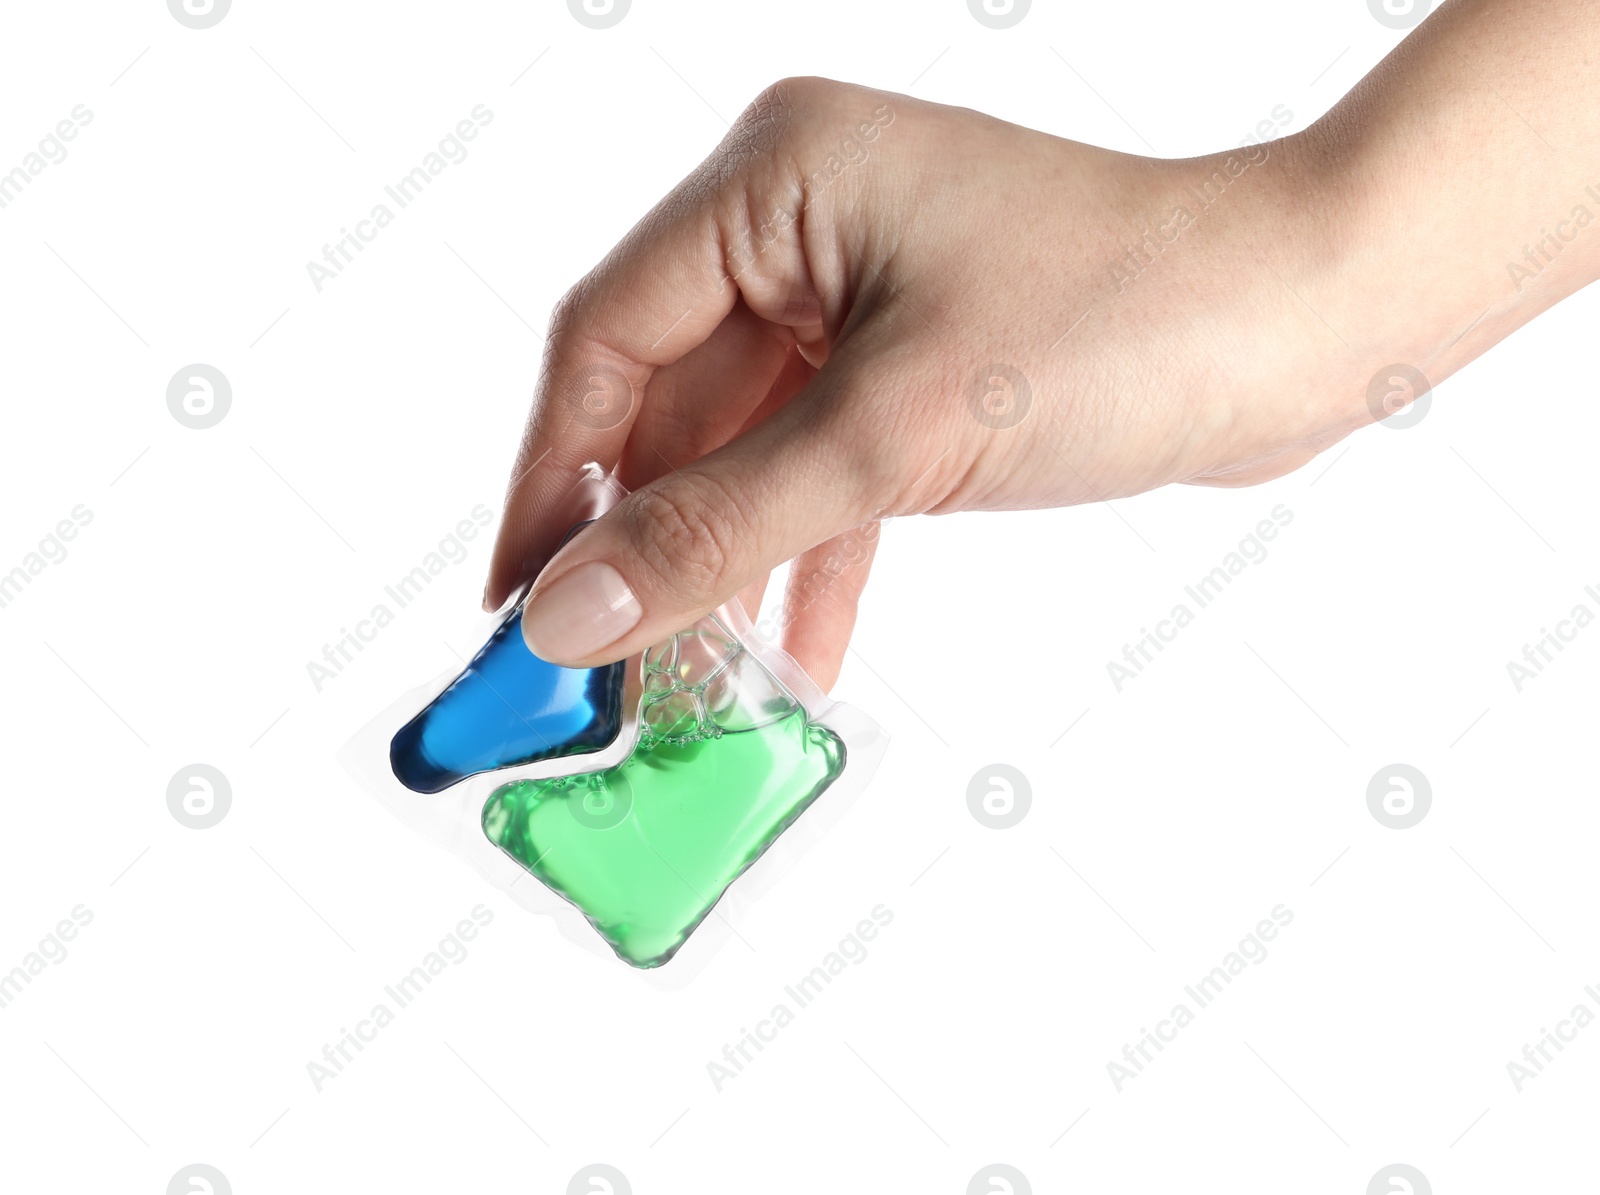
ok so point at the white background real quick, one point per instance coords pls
(368, 419)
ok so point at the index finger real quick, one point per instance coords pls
(657, 295)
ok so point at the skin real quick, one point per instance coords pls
(794, 363)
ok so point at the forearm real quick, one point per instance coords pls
(1462, 179)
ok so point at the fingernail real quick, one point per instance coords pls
(588, 609)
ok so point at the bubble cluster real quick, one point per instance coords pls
(702, 683)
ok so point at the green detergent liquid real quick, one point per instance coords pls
(726, 760)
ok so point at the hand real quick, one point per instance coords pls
(864, 306)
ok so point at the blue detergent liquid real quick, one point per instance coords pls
(508, 708)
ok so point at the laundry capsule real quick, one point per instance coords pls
(725, 760)
(508, 707)
(636, 794)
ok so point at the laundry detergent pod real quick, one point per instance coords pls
(726, 758)
(508, 707)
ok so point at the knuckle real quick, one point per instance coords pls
(760, 130)
(784, 99)
(786, 106)
(810, 92)
(774, 103)
(568, 310)
(682, 539)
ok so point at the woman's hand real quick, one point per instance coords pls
(864, 306)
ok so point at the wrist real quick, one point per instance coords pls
(1446, 220)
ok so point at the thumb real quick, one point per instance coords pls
(672, 552)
